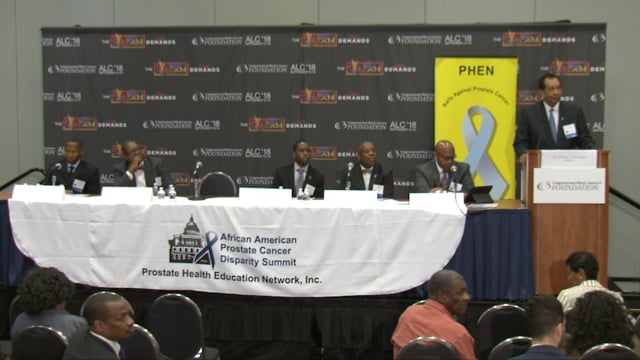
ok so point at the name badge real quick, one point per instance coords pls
(310, 189)
(570, 131)
(379, 189)
(455, 187)
(78, 185)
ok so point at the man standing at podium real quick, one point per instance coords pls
(551, 123)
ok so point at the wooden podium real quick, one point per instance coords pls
(557, 230)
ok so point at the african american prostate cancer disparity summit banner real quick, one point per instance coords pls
(228, 246)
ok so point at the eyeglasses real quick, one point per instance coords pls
(446, 158)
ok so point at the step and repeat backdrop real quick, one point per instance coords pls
(237, 98)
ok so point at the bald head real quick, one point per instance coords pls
(445, 153)
(442, 281)
(449, 288)
(367, 154)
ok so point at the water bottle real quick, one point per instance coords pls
(155, 189)
(300, 195)
(172, 193)
(161, 193)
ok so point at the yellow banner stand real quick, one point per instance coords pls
(475, 108)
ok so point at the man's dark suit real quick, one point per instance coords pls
(83, 345)
(84, 171)
(533, 130)
(285, 177)
(377, 177)
(152, 169)
(427, 176)
(542, 352)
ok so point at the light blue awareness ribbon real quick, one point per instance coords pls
(207, 249)
(478, 143)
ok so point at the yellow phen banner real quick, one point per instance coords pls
(475, 108)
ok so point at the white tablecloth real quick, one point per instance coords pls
(295, 249)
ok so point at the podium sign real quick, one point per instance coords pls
(569, 186)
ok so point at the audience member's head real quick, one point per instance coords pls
(367, 155)
(582, 266)
(109, 315)
(449, 288)
(597, 318)
(545, 319)
(44, 288)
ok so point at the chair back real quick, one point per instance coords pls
(510, 347)
(496, 324)
(176, 322)
(38, 343)
(141, 345)
(610, 351)
(15, 308)
(217, 184)
(428, 347)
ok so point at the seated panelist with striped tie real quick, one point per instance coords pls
(77, 175)
(367, 173)
(300, 174)
(443, 173)
(551, 123)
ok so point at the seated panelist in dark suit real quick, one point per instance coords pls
(551, 123)
(109, 319)
(300, 174)
(77, 175)
(367, 173)
(443, 173)
(139, 170)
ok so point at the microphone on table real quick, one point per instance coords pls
(452, 183)
(53, 169)
(198, 166)
(197, 182)
(348, 184)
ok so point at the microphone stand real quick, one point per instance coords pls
(452, 185)
(197, 183)
(347, 186)
(53, 170)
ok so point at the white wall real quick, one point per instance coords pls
(21, 123)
